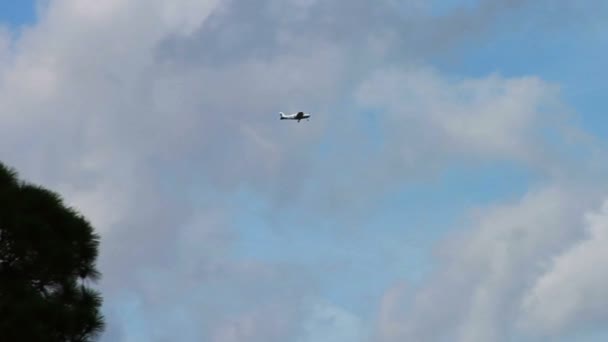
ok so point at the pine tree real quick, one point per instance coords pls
(47, 259)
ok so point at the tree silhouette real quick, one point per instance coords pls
(47, 257)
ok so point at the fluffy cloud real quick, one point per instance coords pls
(506, 277)
(426, 121)
(570, 294)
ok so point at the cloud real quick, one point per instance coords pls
(493, 117)
(264, 323)
(329, 323)
(140, 101)
(487, 272)
(569, 295)
(390, 316)
(151, 117)
(429, 121)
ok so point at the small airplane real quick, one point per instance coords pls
(297, 116)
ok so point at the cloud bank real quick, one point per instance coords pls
(152, 118)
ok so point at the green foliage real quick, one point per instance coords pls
(47, 255)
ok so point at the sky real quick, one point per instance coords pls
(449, 185)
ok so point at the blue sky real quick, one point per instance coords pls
(230, 217)
(17, 13)
(568, 54)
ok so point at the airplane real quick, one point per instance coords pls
(297, 116)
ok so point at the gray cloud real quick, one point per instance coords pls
(150, 115)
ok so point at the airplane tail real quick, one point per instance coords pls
(282, 115)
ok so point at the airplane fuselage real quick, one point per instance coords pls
(296, 116)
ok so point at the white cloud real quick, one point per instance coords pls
(486, 272)
(5, 49)
(572, 291)
(493, 117)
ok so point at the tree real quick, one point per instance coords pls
(47, 256)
